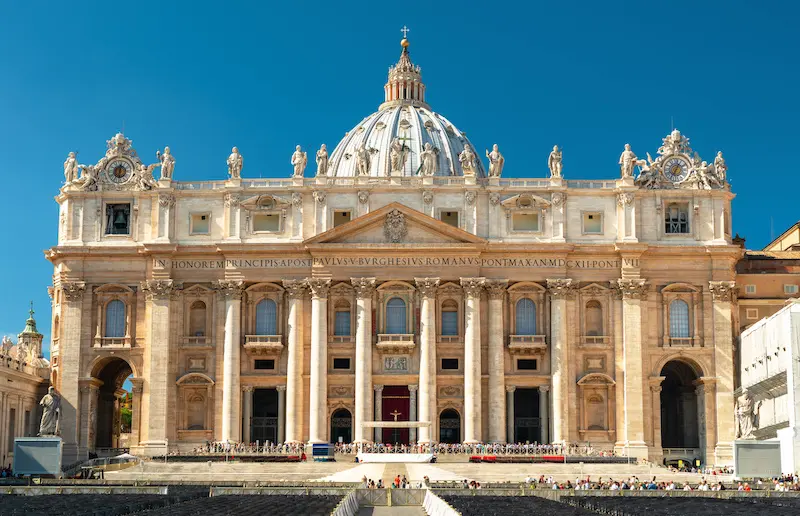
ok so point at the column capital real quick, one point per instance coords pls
(560, 288)
(473, 286)
(723, 290)
(544, 388)
(319, 287)
(427, 286)
(90, 384)
(280, 388)
(413, 388)
(631, 288)
(73, 290)
(511, 388)
(378, 388)
(364, 287)
(137, 385)
(496, 288)
(229, 289)
(159, 289)
(295, 288)
(248, 388)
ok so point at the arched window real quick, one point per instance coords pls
(396, 316)
(341, 322)
(594, 318)
(197, 319)
(266, 317)
(679, 319)
(526, 317)
(450, 318)
(115, 319)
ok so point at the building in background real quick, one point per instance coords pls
(24, 379)
(405, 281)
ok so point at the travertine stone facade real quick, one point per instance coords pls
(395, 287)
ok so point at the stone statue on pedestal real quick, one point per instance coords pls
(428, 162)
(720, 167)
(51, 413)
(496, 161)
(299, 161)
(362, 160)
(467, 160)
(71, 168)
(322, 161)
(235, 164)
(745, 416)
(554, 162)
(398, 153)
(627, 160)
(167, 163)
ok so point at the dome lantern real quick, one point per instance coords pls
(404, 85)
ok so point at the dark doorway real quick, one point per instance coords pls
(264, 427)
(342, 426)
(110, 396)
(526, 416)
(395, 407)
(679, 421)
(449, 427)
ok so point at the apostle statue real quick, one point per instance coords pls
(720, 167)
(428, 161)
(467, 160)
(627, 160)
(299, 161)
(51, 413)
(71, 168)
(362, 160)
(235, 164)
(554, 162)
(496, 161)
(322, 161)
(398, 153)
(745, 416)
(167, 163)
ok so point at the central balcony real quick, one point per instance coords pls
(527, 344)
(395, 343)
(263, 345)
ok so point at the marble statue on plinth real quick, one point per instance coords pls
(627, 160)
(167, 163)
(555, 163)
(496, 161)
(51, 413)
(398, 153)
(428, 162)
(362, 160)
(467, 160)
(322, 161)
(745, 416)
(235, 164)
(299, 161)
(71, 168)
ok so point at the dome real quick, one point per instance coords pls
(404, 121)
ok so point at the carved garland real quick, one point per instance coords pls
(427, 197)
(558, 198)
(231, 200)
(470, 197)
(363, 196)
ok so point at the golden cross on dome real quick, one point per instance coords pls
(395, 414)
(405, 30)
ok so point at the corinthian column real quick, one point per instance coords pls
(724, 299)
(427, 355)
(472, 359)
(497, 409)
(365, 288)
(294, 361)
(231, 292)
(633, 292)
(318, 397)
(69, 365)
(560, 289)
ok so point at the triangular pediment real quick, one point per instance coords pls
(395, 224)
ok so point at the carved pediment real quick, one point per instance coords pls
(596, 379)
(525, 201)
(594, 289)
(265, 202)
(395, 224)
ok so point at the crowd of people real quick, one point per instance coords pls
(585, 450)
(399, 482)
(783, 483)
(216, 448)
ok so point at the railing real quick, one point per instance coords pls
(594, 340)
(525, 183)
(527, 343)
(341, 339)
(448, 180)
(263, 344)
(681, 453)
(450, 339)
(112, 342)
(398, 342)
(591, 184)
(199, 185)
(267, 183)
(197, 342)
(680, 342)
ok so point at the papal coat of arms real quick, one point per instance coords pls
(395, 226)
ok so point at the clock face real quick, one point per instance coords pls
(676, 169)
(119, 171)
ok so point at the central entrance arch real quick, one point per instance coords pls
(112, 372)
(341, 426)
(680, 406)
(449, 426)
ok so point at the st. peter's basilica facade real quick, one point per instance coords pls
(404, 290)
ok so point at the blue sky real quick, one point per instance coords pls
(204, 76)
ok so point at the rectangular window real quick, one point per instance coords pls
(752, 314)
(118, 219)
(265, 364)
(749, 289)
(449, 217)
(449, 364)
(790, 289)
(341, 217)
(450, 324)
(525, 221)
(677, 218)
(341, 363)
(593, 223)
(266, 222)
(199, 224)
(341, 327)
(526, 364)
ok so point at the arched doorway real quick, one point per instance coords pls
(114, 407)
(680, 416)
(341, 426)
(449, 427)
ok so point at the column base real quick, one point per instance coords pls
(634, 449)
(723, 455)
(155, 448)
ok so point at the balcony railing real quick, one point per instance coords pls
(341, 339)
(595, 340)
(527, 344)
(682, 342)
(395, 343)
(263, 344)
(197, 342)
(112, 342)
(450, 339)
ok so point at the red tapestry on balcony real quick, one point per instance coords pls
(395, 407)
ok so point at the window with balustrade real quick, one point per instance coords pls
(114, 311)
(115, 319)
(682, 308)
(266, 317)
(396, 323)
